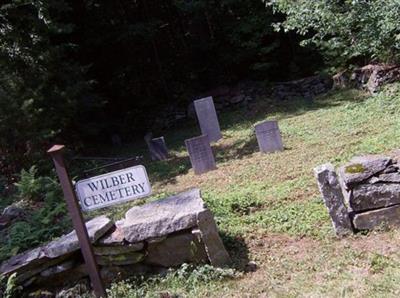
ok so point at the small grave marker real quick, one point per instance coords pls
(201, 155)
(158, 149)
(268, 136)
(207, 117)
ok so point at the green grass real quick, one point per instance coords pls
(268, 207)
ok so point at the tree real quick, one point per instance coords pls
(345, 30)
(40, 84)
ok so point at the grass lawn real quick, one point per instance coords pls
(268, 207)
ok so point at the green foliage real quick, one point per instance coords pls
(41, 85)
(345, 30)
(9, 287)
(83, 72)
(188, 280)
(30, 186)
(379, 262)
(48, 219)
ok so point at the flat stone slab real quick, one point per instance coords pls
(163, 217)
(58, 248)
(386, 177)
(372, 196)
(215, 249)
(329, 186)
(115, 236)
(371, 219)
(175, 250)
(361, 168)
(117, 250)
(96, 228)
(122, 259)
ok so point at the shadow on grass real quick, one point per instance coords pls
(238, 150)
(166, 171)
(237, 249)
(261, 109)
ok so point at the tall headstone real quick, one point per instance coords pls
(201, 155)
(207, 117)
(157, 147)
(268, 136)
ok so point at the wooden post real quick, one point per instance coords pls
(77, 220)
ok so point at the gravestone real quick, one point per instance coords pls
(268, 136)
(201, 155)
(207, 117)
(157, 147)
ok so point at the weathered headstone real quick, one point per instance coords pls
(201, 155)
(207, 117)
(329, 186)
(268, 136)
(157, 147)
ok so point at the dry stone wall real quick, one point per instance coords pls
(151, 238)
(365, 195)
(370, 77)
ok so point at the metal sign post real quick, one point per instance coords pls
(77, 220)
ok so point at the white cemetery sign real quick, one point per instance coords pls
(113, 188)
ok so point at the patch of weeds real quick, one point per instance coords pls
(9, 287)
(379, 262)
(295, 218)
(47, 220)
(187, 281)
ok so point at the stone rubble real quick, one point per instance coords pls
(304, 88)
(370, 77)
(151, 238)
(372, 185)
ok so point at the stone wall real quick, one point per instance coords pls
(370, 77)
(365, 195)
(151, 238)
(304, 88)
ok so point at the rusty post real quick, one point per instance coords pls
(77, 220)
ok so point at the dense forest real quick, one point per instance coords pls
(80, 71)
